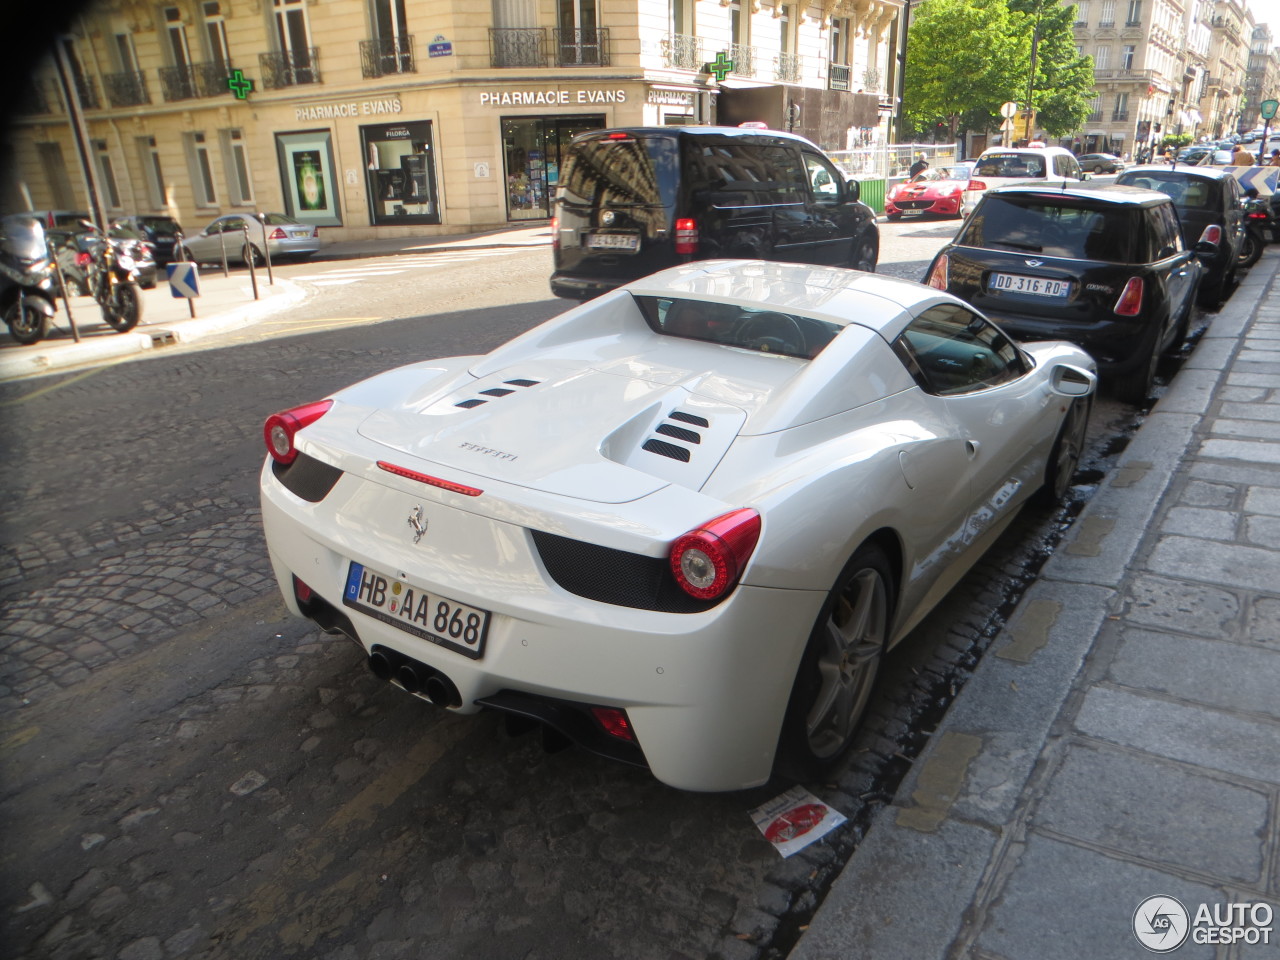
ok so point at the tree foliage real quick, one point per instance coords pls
(967, 57)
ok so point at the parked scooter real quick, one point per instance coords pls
(1259, 219)
(113, 282)
(27, 287)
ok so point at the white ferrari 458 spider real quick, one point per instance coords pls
(680, 523)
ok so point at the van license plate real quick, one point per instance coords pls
(1037, 286)
(613, 241)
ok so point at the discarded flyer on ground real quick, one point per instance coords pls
(795, 819)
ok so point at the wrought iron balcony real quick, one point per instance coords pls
(87, 92)
(682, 52)
(127, 89)
(387, 55)
(744, 59)
(290, 68)
(178, 83)
(1095, 117)
(838, 76)
(1119, 116)
(787, 67)
(582, 48)
(517, 47)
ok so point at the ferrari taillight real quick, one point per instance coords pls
(615, 722)
(938, 275)
(1212, 234)
(707, 561)
(686, 235)
(1130, 302)
(281, 428)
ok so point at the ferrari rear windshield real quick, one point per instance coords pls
(1054, 227)
(751, 328)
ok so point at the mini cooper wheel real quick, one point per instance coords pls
(1064, 458)
(838, 669)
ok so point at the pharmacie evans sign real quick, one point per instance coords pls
(351, 108)
(510, 98)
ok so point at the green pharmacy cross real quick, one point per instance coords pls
(240, 85)
(721, 66)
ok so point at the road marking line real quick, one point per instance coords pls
(54, 386)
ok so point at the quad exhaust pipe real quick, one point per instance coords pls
(417, 678)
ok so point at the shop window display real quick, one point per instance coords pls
(401, 173)
(532, 147)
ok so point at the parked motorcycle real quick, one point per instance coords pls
(1258, 220)
(113, 282)
(27, 287)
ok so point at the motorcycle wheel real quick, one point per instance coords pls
(26, 323)
(123, 315)
(1250, 249)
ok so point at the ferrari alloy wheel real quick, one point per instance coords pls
(839, 667)
(1064, 458)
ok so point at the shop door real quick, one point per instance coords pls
(533, 148)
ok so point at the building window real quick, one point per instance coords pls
(201, 170)
(839, 40)
(1135, 13)
(1122, 107)
(151, 172)
(402, 173)
(215, 33)
(236, 162)
(106, 174)
(1101, 58)
(1082, 13)
(55, 171)
(1108, 17)
(179, 46)
(1126, 57)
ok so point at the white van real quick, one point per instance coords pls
(999, 166)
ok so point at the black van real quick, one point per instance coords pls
(635, 200)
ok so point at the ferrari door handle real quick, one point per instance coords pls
(971, 447)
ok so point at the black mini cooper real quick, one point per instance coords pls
(1100, 265)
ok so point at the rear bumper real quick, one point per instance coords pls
(1118, 347)
(581, 288)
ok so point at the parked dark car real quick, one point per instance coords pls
(161, 232)
(1100, 163)
(1101, 265)
(635, 200)
(1208, 204)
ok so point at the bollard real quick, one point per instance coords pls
(222, 242)
(248, 249)
(62, 285)
(266, 248)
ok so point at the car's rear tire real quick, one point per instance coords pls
(1064, 458)
(838, 668)
(1136, 387)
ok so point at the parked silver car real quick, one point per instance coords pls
(280, 235)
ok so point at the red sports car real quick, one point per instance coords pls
(930, 191)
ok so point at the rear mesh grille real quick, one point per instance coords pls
(496, 392)
(664, 449)
(615, 576)
(468, 404)
(680, 433)
(523, 383)
(306, 477)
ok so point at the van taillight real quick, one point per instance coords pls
(1130, 302)
(555, 233)
(687, 236)
(938, 275)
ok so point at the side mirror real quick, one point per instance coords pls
(855, 190)
(1069, 381)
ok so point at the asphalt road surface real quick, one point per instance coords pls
(187, 773)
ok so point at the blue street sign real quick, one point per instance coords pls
(1266, 180)
(184, 280)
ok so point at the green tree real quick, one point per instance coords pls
(967, 57)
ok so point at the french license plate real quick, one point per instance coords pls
(414, 610)
(164, 237)
(1037, 286)
(613, 241)
(912, 213)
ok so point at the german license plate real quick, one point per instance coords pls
(613, 241)
(1036, 286)
(417, 611)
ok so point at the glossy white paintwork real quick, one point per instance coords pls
(830, 452)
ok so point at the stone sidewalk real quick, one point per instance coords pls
(1121, 739)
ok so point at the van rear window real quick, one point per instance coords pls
(621, 170)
